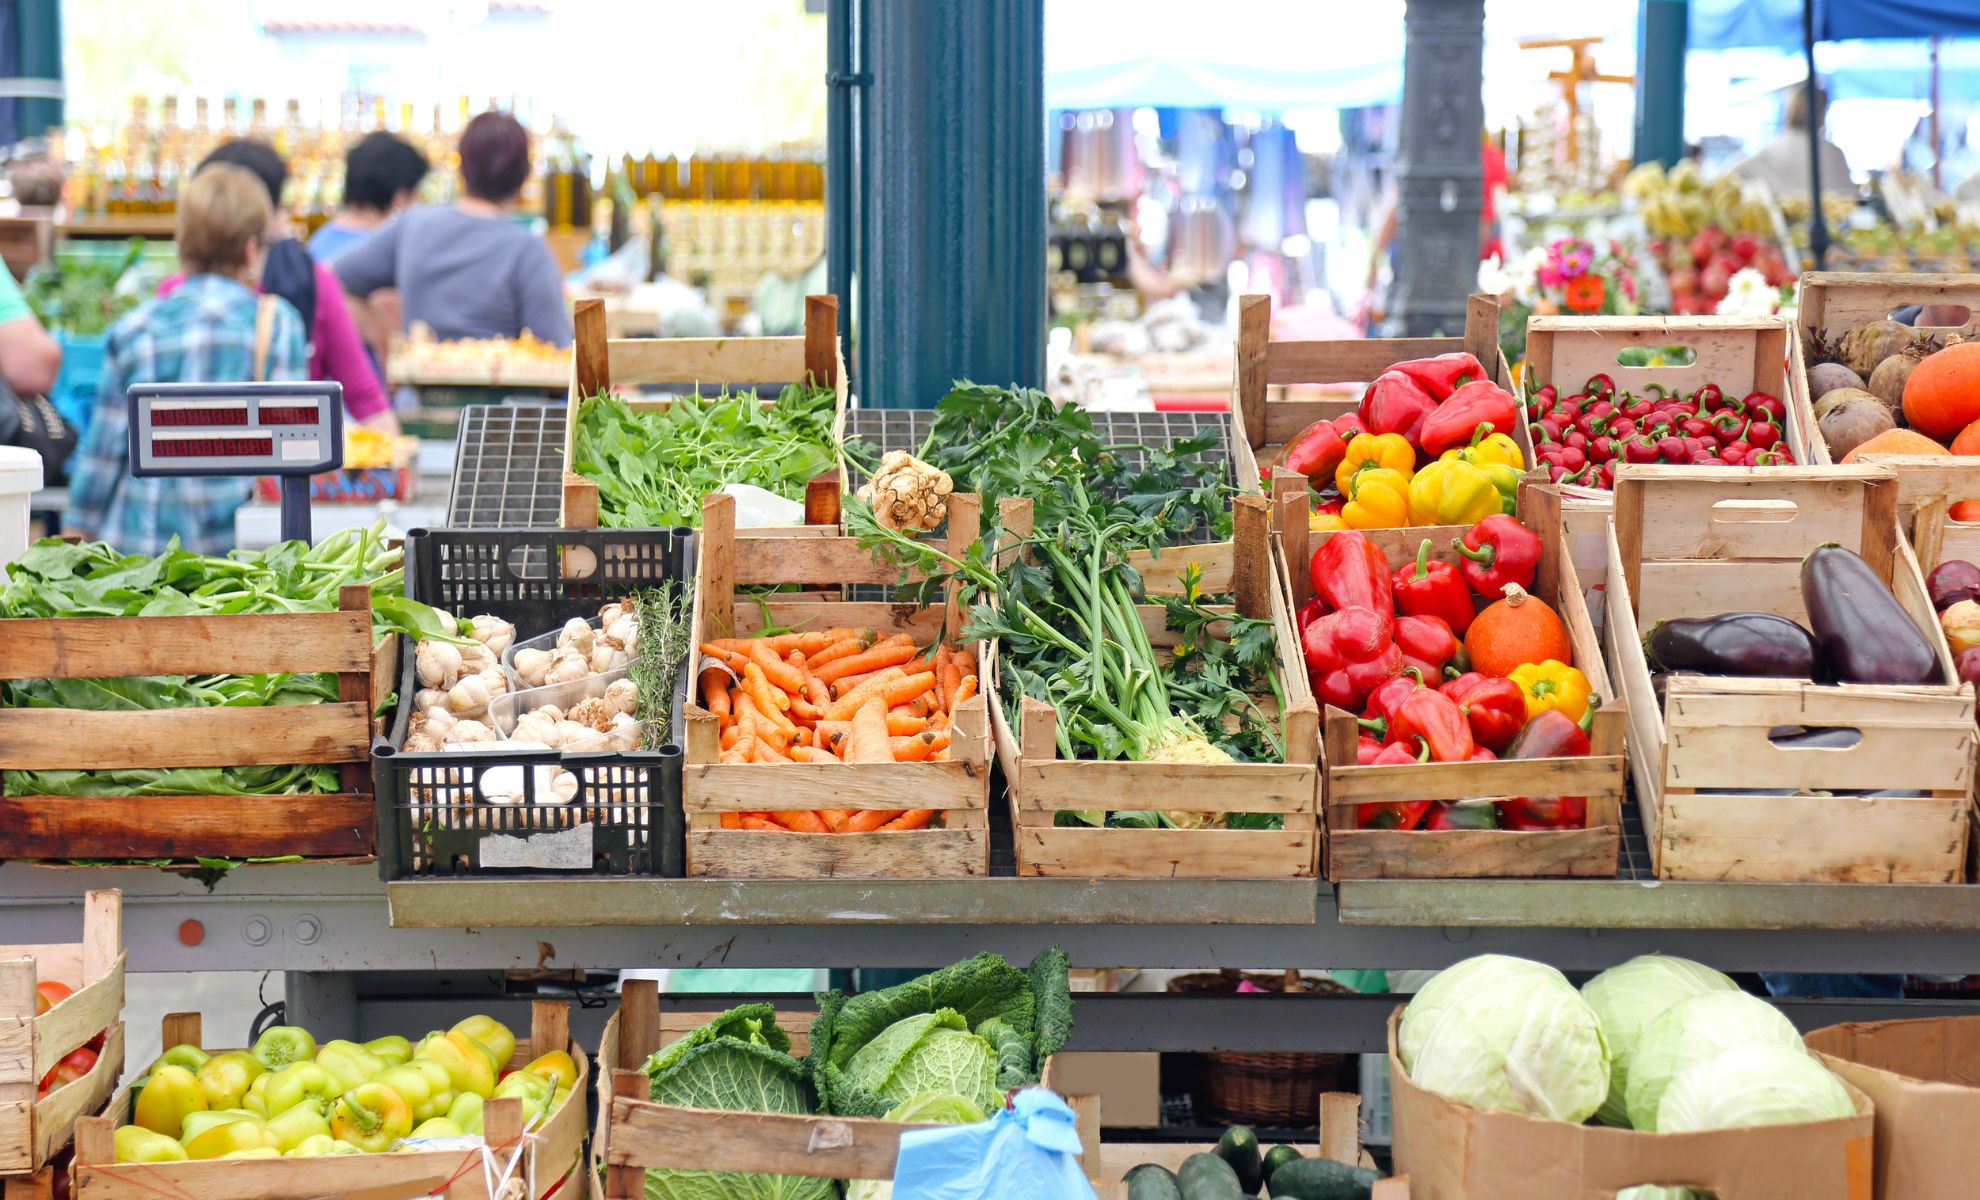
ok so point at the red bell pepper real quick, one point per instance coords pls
(1499, 550)
(1366, 749)
(1400, 814)
(1434, 718)
(1444, 374)
(1552, 734)
(1495, 707)
(1427, 643)
(1433, 588)
(1396, 403)
(1379, 715)
(1348, 653)
(1449, 814)
(1315, 451)
(1350, 571)
(1309, 612)
(1480, 402)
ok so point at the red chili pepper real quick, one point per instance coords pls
(1395, 403)
(1707, 397)
(1696, 427)
(1638, 409)
(1552, 427)
(1309, 612)
(1574, 455)
(1621, 427)
(1348, 653)
(1405, 814)
(1762, 432)
(1765, 402)
(1680, 409)
(1476, 405)
(1547, 392)
(1434, 718)
(1379, 717)
(1315, 451)
(1499, 551)
(1602, 449)
(1495, 707)
(1605, 475)
(1735, 454)
(1427, 643)
(1779, 456)
(1599, 385)
(1432, 587)
(1349, 570)
(1444, 374)
(1640, 449)
(1727, 427)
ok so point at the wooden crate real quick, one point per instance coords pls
(1339, 1140)
(1356, 853)
(598, 363)
(1041, 783)
(1928, 486)
(552, 1159)
(341, 825)
(1696, 542)
(33, 1131)
(1739, 354)
(1261, 423)
(633, 1133)
(960, 786)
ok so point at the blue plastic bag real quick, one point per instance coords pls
(1027, 1152)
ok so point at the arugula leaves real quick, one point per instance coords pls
(653, 467)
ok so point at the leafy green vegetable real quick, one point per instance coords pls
(739, 1062)
(79, 295)
(653, 467)
(899, 1039)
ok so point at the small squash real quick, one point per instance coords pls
(1968, 441)
(1942, 396)
(1895, 441)
(1518, 629)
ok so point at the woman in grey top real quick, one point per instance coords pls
(467, 269)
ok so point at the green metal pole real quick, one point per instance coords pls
(1660, 51)
(39, 24)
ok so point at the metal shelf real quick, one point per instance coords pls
(508, 470)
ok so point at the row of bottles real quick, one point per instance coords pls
(731, 177)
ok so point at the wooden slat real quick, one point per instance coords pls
(657, 1135)
(1357, 360)
(1349, 786)
(1054, 784)
(816, 561)
(314, 826)
(55, 1117)
(1254, 334)
(591, 362)
(1834, 302)
(1166, 853)
(821, 340)
(1472, 853)
(782, 787)
(101, 647)
(902, 854)
(718, 360)
(59, 739)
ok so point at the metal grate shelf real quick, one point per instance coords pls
(508, 468)
(887, 429)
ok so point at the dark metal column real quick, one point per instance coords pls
(1440, 178)
(1660, 46)
(39, 26)
(841, 162)
(951, 261)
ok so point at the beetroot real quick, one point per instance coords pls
(1966, 668)
(1952, 581)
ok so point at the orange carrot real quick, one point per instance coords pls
(951, 679)
(770, 751)
(963, 692)
(914, 818)
(732, 756)
(848, 702)
(866, 820)
(902, 723)
(817, 691)
(799, 821)
(883, 655)
(769, 699)
(733, 658)
(732, 820)
(867, 742)
(813, 754)
(730, 733)
(900, 691)
(913, 749)
(837, 650)
(779, 672)
(715, 692)
(835, 818)
(752, 821)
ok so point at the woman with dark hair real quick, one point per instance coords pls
(336, 352)
(381, 173)
(467, 269)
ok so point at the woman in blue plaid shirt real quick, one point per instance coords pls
(205, 332)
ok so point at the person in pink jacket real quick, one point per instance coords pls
(336, 351)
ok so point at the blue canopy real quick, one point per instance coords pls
(1723, 24)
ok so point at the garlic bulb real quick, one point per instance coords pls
(533, 665)
(493, 632)
(434, 721)
(438, 663)
(623, 632)
(624, 733)
(571, 733)
(426, 698)
(567, 669)
(577, 634)
(593, 712)
(467, 732)
(563, 788)
(606, 657)
(622, 695)
(550, 712)
(612, 612)
(470, 695)
(421, 743)
(496, 680)
(535, 727)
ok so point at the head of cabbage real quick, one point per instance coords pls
(1506, 1033)
(1627, 998)
(1692, 1031)
(1758, 1083)
(931, 1052)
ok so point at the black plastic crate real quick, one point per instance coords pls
(625, 819)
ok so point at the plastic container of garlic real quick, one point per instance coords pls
(577, 649)
(596, 713)
(463, 680)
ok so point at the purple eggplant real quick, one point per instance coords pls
(1952, 581)
(1864, 634)
(1738, 643)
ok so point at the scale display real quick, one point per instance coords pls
(288, 429)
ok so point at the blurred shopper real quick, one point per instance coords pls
(212, 328)
(467, 269)
(382, 173)
(29, 358)
(1782, 164)
(336, 351)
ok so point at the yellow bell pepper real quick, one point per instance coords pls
(371, 1117)
(220, 1140)
(226, 1078)
(1323, 522)
(1499, 458)
(466, 1063)
(1368, 451)
(557, 1066)
(1451, 493)
(1378, 498)
(137, 1144)
(290, 1129)
(491, 1033)
(1552, 684)
(170, 1095)
(395, 1050)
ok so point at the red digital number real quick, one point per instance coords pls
(288, 415)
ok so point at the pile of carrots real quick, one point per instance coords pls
(834, 696)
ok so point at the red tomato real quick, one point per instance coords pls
(74, 1065)
(48, 993)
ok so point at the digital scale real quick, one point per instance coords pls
(288, 430)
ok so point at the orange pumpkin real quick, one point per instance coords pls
(1968, 441)
(1896, 441)
(1964, 510)
(1518, 629)
(1942, 396)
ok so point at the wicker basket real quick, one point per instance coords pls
(1277, 1089)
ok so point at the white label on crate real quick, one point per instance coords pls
(561, 850)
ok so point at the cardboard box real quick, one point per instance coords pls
(1452, 1151)
(1923, 1076)
(1129, 1085)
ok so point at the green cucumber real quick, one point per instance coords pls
(1278, 1156)
(1322, 1179)
(1151, 1181)
(1239, 1147)
(1207, 1177)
